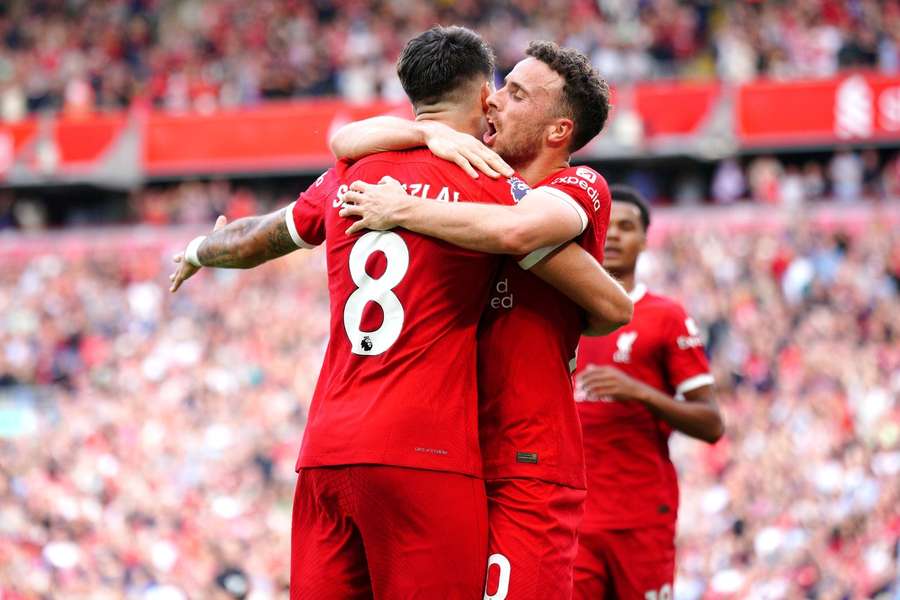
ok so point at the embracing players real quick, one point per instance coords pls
(551, 105)
(634, 388)
(388, 503)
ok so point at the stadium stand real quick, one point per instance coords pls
(147, 441)
(181, 54)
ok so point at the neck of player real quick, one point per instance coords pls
(455, 117)
(625, 277)
(542, 166)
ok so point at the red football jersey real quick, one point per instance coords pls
(526, 351)
(631, 481)
(398, 383)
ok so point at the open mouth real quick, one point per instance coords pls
(612, 252)
(491, 134)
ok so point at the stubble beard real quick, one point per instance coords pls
(519, 153)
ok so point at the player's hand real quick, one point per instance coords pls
(464, 150)
(185, 270)
(610, 382)
(376, 204)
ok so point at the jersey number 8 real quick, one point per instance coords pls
(380, 291)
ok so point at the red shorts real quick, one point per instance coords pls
(533, 539)
(370, 531)
(627, 564)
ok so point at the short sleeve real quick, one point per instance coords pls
(305, 217)
(686, 362)
(585, 190)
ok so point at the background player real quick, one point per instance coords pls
(634, 388)
(390, 450)
(551, 105)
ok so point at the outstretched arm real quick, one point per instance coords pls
(539, 220)
(383, 134)
(575, 273)
(246, 243)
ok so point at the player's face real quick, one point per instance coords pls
(625, 238)
(520, 113)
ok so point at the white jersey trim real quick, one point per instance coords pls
(561, 195)
(541, 253)
(292, 228)
(692, 383)
(536, 256)
(638, 292)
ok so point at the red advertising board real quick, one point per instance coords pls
(674, 108)
(273, 137)
(851, 108)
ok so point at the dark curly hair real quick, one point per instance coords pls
(629, 195)
(585, 94)
(435, 64)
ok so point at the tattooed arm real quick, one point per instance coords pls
(247, 242)
(244, 244)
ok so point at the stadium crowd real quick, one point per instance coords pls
(79, 56)
(147, 440)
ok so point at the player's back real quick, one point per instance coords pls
(398, 384)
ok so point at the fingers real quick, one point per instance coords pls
(220, 223)
(359, 186)
(176, 281)
(498, 164)
(464, 164)
(352, 197)
(482, 166)
(387, 179)
(356, 227)
(351, 210)
(178, 257)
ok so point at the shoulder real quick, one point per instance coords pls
(581, 183)
(578, 175)
(665, 306)
(415, 156)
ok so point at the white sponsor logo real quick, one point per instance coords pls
(504, 298)
(692, 340)
(586, 173)
(854, 114)
(889, 108)
(624, 344)
(592, 192)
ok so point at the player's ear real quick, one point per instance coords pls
(561, 131)
(486, 91)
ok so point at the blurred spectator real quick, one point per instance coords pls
(764, 175)
(728, 183)
(791, 188)
(846, 173)
(814, 185)
(197, 55)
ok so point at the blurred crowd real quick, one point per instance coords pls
(81, 55)
(147, 440)
(801, 499)
(846, 177)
